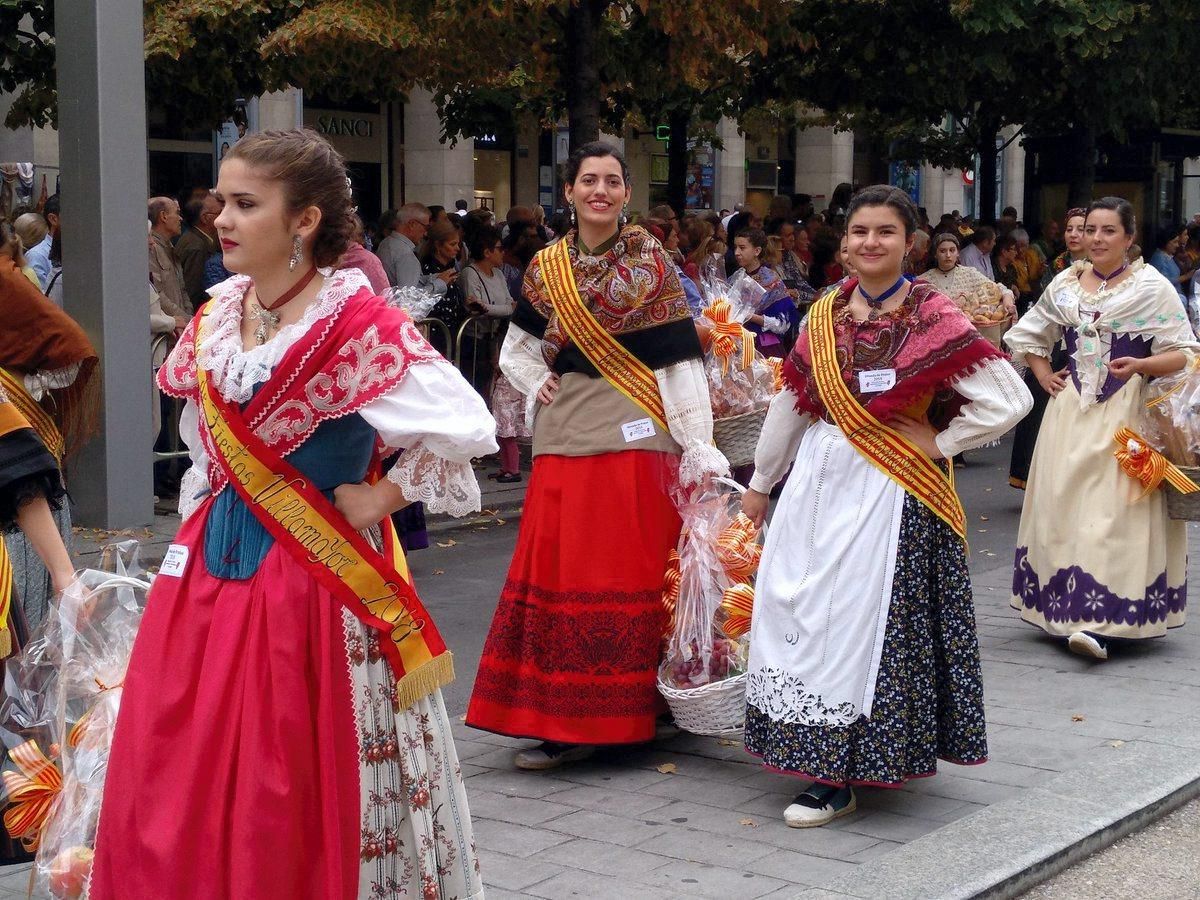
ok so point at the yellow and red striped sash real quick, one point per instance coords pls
(374, 586)
(38, 418)
(618, 366)
(888, 450)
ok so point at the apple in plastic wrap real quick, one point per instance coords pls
(69, 872)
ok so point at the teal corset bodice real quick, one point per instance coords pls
(339, 452)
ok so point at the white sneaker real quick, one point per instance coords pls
(1086, 645)
(813, 808)
(549, 755)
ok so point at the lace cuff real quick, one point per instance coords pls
(700, 459)
(442, 485)
(193, 489)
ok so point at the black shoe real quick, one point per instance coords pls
(508, 478)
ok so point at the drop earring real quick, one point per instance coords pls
(297, 253)
(624, 216)
(572, 206)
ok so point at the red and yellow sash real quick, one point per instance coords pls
(372, 585)
(618, 366)
(35, 416)
(886, 449)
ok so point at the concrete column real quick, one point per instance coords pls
(434, 173)
(1191, 188)
(824, 159)
(102, 121)
(1014, 174)
(731, 166)
(278, 111)
(933, 191)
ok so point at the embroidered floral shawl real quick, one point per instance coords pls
(927, 340)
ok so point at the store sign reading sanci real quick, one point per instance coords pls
(338, 125)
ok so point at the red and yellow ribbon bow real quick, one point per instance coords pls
(78, 731)
(32, 790)
(737, 548)
(1147, 466)
(737, 603)
(728, 334)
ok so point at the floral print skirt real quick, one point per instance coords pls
(929, 694)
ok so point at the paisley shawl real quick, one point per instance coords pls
(631, 289)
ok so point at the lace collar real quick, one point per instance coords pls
(235, 371)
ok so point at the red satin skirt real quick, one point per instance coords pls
(573, 651)
(234, 769)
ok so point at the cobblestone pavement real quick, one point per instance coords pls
(696, 817)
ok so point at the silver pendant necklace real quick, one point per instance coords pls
(267, 322)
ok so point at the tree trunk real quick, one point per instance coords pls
(1083, 172)
(678, 158)
(582, 69)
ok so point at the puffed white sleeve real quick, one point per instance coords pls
(684, 391)
(442, 424)
(194, 486)
(997, 399)
(778, 441)
(522, 363)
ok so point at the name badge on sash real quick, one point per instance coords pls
(876, 381)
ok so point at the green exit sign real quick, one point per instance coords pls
(662, 132)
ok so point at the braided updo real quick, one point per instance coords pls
(312, 174)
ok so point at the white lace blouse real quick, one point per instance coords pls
(433, 413)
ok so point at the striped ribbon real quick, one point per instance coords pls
(886, 449)
(32, 790)
(729, 336)
(1147, 466)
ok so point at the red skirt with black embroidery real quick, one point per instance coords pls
(573, 651)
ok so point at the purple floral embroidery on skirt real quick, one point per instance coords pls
(1073, 595)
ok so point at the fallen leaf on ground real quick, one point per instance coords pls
(726, 742)
(500, 522)
(439, 571)
(449, 543)
(491, 512)
(983, 518)
(1117, 744)
(749, 822)
(1078, 718)
(667, 769)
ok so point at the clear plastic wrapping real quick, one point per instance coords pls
(740, 379)
(61, 696)
(1171, 419)
(709, 590)
(414, 301)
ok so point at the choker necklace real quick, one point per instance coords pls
(267, 319)
(1105, 279)
(876, 303)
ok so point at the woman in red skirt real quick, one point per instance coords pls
(603, 346)
(282, 731)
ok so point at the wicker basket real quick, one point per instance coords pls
(737, 436)
(717, 709)
(1184, 506)
(994, 333)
